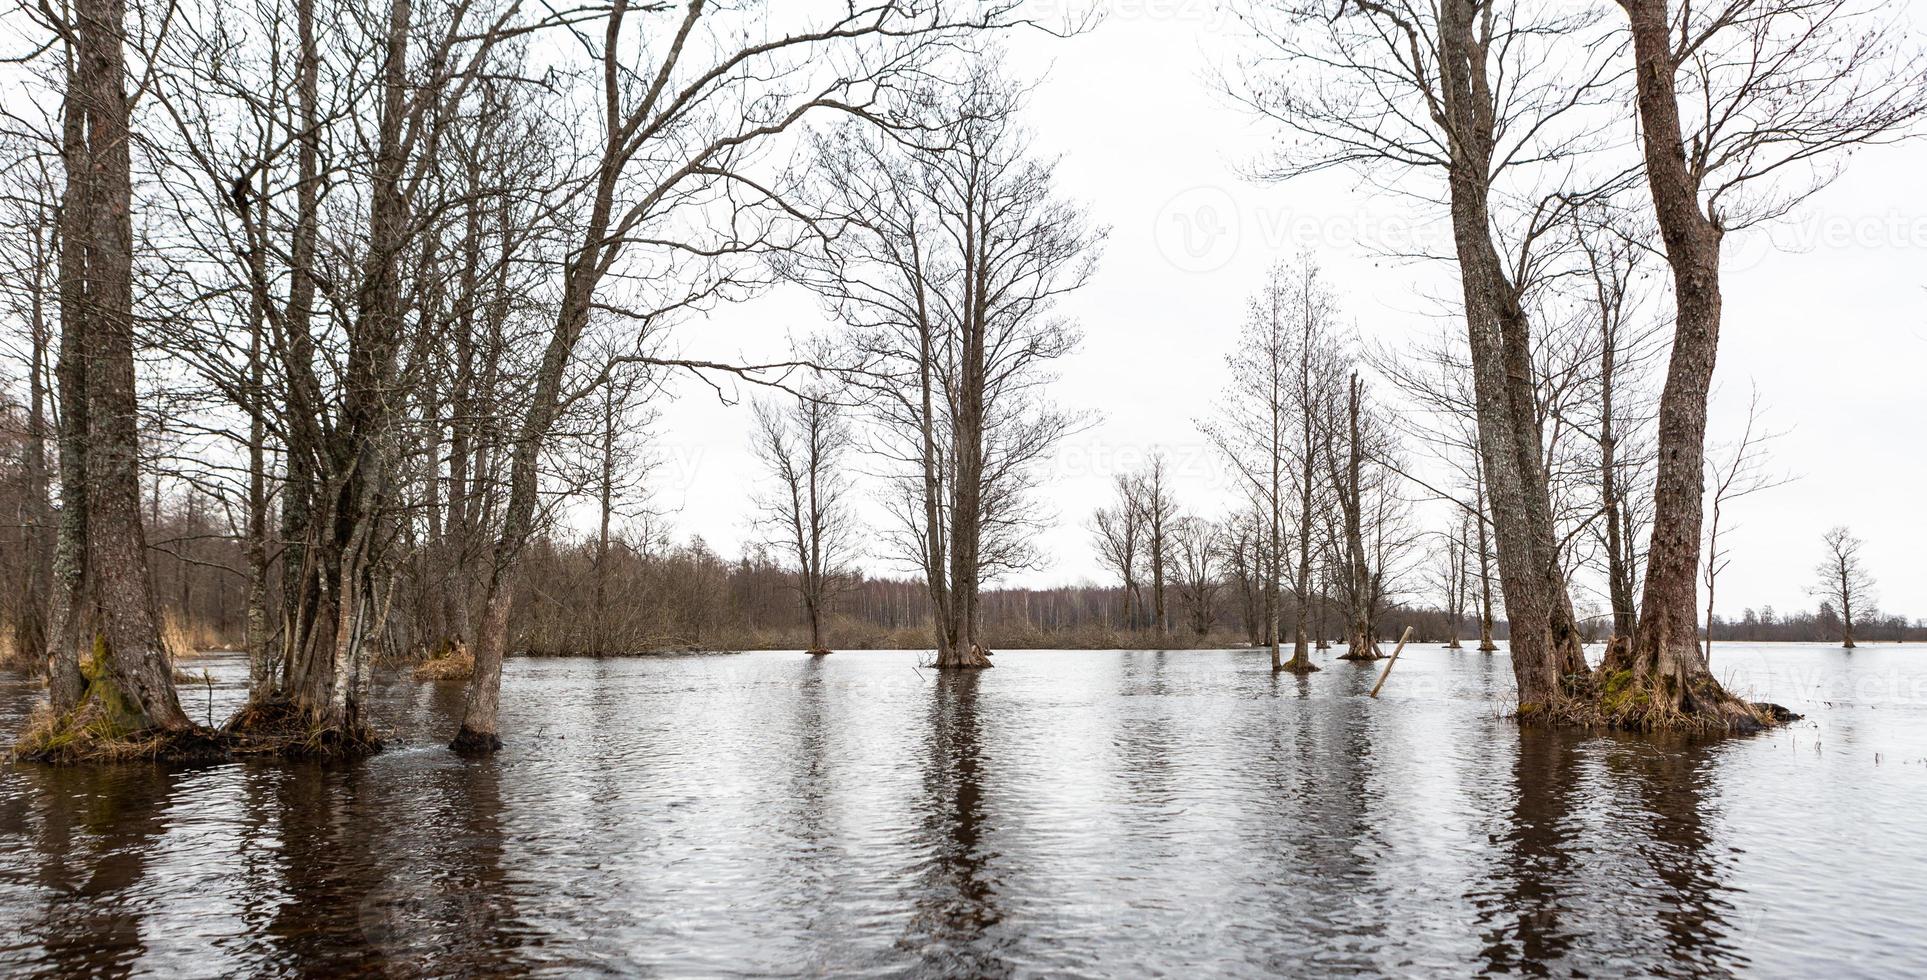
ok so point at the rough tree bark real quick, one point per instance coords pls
(65, 683)
(1547, 659)
(1358, 634)
(116, 553)
(1667, 662)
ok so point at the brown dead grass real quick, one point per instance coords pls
(183, 640)
(454, 664)
(104, 729)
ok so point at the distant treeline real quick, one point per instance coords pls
(648, 593)
(1823, 625)
(688, 597)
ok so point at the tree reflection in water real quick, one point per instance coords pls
(956, 914)
(1605, 862)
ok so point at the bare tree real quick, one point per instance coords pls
(1449, 578)
(1197, 549)
(1741, 106)
(1843, 579)
(1349, 489)
(1151, 497)
(1624, 341)
(805, 445)
(1267, 429)
(1117, 532)
(948, 263)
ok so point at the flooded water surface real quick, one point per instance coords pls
(1066, 814)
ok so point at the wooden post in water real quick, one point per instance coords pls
(1389, 663)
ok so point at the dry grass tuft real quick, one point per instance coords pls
(453, 664)
(88, 734)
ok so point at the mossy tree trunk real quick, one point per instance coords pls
(116, 552)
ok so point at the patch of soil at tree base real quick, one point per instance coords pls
(1361, 656)
(1629, 707)
(1296, 667)
(818, 652)
(282, 729)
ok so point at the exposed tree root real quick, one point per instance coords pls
(1297, 665)
(1621, 700)
(975, 658)
(283, 729)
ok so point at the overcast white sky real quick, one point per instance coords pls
(1829, 319)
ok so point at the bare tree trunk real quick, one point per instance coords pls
(1619, 573)
(302, 580)
(479, 727)
(65, 683)
(1274, 552)
(261, 679)
(966, 490)
(1300, 644)
(1546, 656)
(30, 623)
(1358, 637)
(1486, 643)
(935, 558)
(1666, 653)
(1457, 588)
(116, 543)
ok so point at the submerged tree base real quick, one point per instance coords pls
(975, 658)
(1627, 702)
(98, 731)
(283, 728)
(818, 652)
(470, 742)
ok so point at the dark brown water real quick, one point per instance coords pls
(1067, 814)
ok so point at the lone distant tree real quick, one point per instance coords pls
(803, 445)
(1118, 532)
(1844, 579)
(1150, 494)
(1197, 548)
